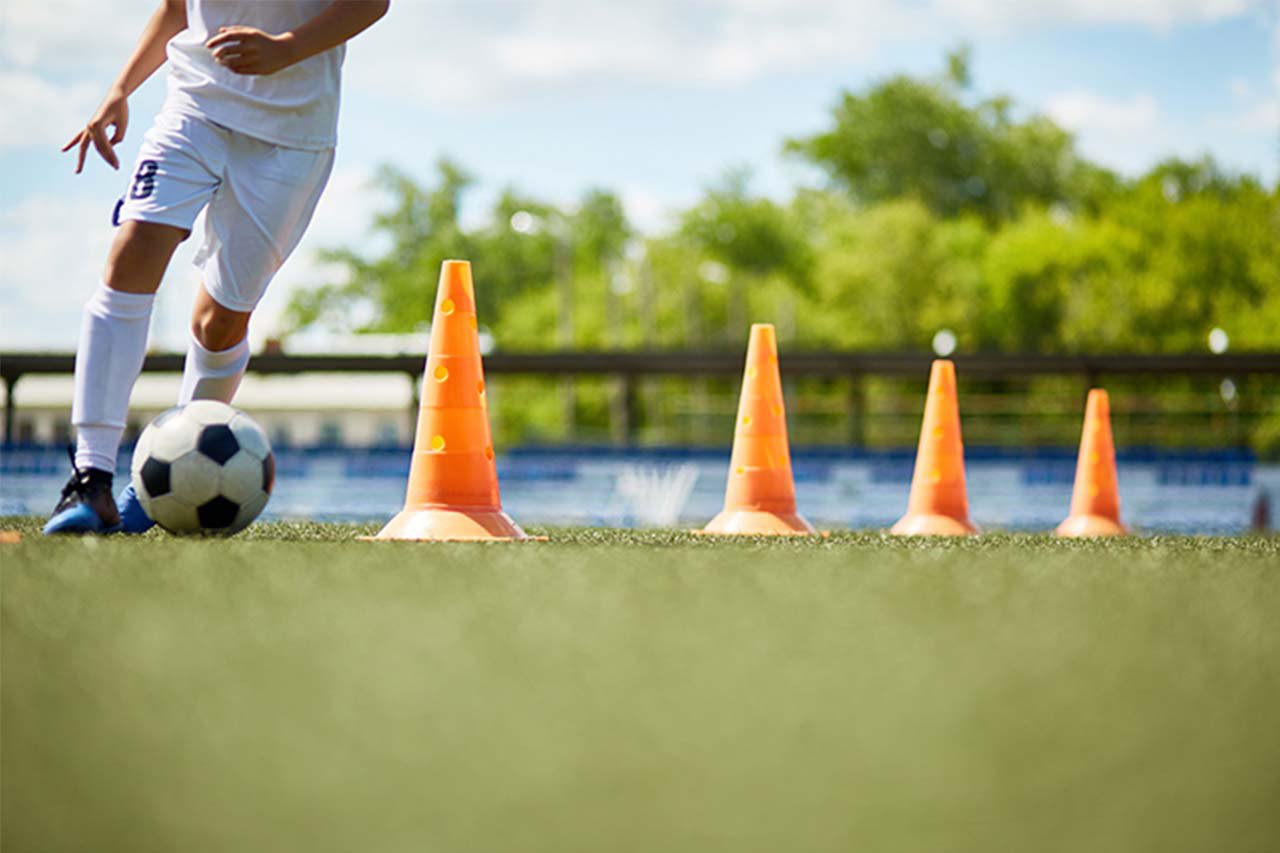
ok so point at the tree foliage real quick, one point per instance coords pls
(922, 138)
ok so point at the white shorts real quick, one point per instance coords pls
(260, 198)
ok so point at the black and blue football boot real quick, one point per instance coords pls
(87, 504)
(133, 518)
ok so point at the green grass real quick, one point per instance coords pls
(293, 689)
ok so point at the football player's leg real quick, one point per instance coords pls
(113, 343)
(262, 211)
(217, 353)
(174, 177)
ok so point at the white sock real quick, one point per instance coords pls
(209, 375)
(113, 343)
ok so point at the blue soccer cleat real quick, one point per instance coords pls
(86, 505)
(133, 518)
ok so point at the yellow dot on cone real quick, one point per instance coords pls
(746, 420)
(937, 433)
(741, 470)
(441, 373)
(446, 307)
(437, 443)
(751, 372)
(935, 476)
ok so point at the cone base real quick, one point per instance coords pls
(747, 522)
(928, 524)
(1088, 526)
(436, 524)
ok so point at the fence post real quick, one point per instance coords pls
(10, 409)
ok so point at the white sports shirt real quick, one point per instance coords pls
(296, 107)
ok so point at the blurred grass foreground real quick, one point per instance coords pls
(296, 690)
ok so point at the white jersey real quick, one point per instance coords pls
(296, 107)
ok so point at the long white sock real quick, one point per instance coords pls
(113, 343)
(209, 375)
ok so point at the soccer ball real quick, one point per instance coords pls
(203, 468)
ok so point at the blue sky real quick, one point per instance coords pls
(654, 99)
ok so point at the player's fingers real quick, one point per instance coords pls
(104, 148)
(117, 131)
(84, 148)
(229, 34)
(240, 48)
(73, 142)
(221, 39)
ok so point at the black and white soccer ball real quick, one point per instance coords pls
(203, 468)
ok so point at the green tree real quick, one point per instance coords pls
(908, 137)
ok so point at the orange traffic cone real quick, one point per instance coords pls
(453, 484)
(761, 495)
(1095, 501)
(939, 503)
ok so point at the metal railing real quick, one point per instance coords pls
(630, 366)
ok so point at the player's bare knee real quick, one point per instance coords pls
(216, 328)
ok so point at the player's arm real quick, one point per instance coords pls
(166, 22)
(246, 50)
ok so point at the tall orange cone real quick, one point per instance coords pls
(1095, 500)
(939, 503)
(761, 495)
(453, 483)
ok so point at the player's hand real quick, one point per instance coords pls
(112, 114)
(246, 50)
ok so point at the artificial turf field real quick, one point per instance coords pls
(295, 690)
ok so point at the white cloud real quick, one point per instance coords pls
(452, 52)
(70, 34)
(46, 113)
(1089, 112)
(53, 257)
(449, 51)
(1263, 117)
(1131, 134)
(1156, 14)
(455, 52)
(1128, 134)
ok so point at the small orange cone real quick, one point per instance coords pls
(453, 483)
(1095, 501)
(761, 496)
(939, 503)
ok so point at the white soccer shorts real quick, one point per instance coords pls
(259, 199)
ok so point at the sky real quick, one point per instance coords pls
(654, 99)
